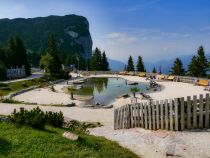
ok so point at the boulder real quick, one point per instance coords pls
(70, 135)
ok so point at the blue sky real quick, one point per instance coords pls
(154, 29)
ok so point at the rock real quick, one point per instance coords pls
(70, 136)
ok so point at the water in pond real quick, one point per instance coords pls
(105, 90)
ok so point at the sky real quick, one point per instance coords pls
(155, 29)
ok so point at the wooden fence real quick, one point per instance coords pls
(177, 114)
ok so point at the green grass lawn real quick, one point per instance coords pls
(5, 89)
(27, 142)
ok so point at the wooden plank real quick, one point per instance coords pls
(142, 114)
(129, 116)
(176, 115)
(201, 111)
(161, 114)
(146, 115)
(115, 111)
(149, 116)
(166, 113)
(138, 115)
(134, 115)
(157, 115)
(171, 114)
(207, 111)
(182, 119)
(195, 111)
(188, 112)
(132, 120)
(153, 106)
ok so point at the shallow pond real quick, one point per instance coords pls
(105, 90)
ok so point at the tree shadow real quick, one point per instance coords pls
(5, 147)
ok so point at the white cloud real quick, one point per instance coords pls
(120, 38)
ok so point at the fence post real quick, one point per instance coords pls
(207, 111)
(195, 111)
(162, 114)
(188, 112)
(146, 115)
(166, 114)
(157, 115)
(201, 111)
(176, 114)
(182, 114)
(142, 115)
(171, 114)
(153, 115)
(150, 117)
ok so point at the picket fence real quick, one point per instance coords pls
(177, 114)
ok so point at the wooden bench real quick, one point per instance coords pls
(203, 82)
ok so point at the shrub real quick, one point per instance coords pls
(9, 100)
(55, 119)
(36, 118)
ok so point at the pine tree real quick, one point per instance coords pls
(140, 65)
(12, 62)
(96, 60)
(154, 70)
(193, 67)
(130, 65)
(105, 64)
(55, 66)
(202, 62)
(22, 56)
(199, 64)
(177, 68)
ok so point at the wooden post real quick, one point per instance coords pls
(195, 111)
(149, 116)
(153, 115)
(182, 114)
(207, 111)
(161, 114)
(157, 115)
(166, 114)
(176, 114)
(201, 111)
(188, 112)
(138, 115)
(146, 115)
(142, 115)
(171, 114)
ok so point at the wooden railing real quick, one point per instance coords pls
(177, 114)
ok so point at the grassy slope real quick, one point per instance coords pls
(5, 89)
(27, 142)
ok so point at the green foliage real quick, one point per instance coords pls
(8, 100)
(140, 65)
(54, 119)
(36, 118)
(46, 61)
(199, 64)
(130, 65)
(154, 70)
(177, 68)
(99, 61)
(27, 142)
(5, 89)
(134, 90)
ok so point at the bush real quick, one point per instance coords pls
(55, 119)
(36, 118)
